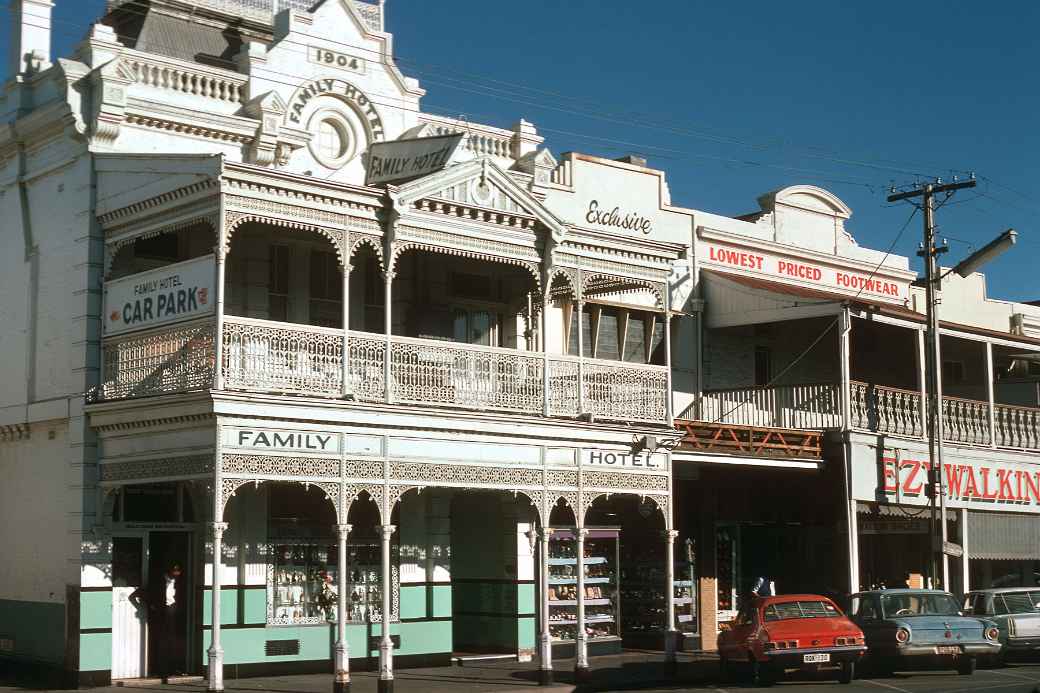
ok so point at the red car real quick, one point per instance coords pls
(772, 635)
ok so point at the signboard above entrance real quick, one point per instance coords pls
(169, 294)
(812, 271)
(402, 160)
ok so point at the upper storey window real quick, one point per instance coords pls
(333, 142)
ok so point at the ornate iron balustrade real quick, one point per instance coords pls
(965, 421)
(264, 356)
(813, 406)
(265, 10)
(158, 363)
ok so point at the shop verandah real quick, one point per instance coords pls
(458, 565)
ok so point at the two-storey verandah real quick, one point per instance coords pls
(184, 385)
(850, 363)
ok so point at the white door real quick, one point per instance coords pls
(129, 613)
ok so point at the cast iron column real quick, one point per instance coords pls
(671, 635)
(581, 649)
(216, 653)
(386, 644)
(388, 278)
(545, 670)
(341, 683)
(345, 358)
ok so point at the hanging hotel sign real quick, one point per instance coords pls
(401, 160)
(282, 440)
(901, 477)
(736, 259)
(613, 459)
(169, 294)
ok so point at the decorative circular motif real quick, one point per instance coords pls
(334, 140)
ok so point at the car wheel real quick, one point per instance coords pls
(848, 672)
(762, 674)
(966, 666)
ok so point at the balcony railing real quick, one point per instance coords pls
(874, 408)
(282, 358)
(149, 363)
(814, 406)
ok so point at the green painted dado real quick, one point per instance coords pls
(246, 645)
(254, 603)
(228, 607)
(95, 610)
(525, 599)
(441, 601)
(413, 601)
(37, 628)
(95, 651)
(525, 632)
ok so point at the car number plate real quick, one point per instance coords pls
(816, 658)
(948, 649)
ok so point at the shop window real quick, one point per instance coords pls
(326, 290)
(302, 577)
(953, 372)
(763, 366)
(278, 283)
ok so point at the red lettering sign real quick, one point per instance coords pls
(797, 269)
(736, 258)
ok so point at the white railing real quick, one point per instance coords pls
(155, 363)
(965, 421)
(886, 409)
(814, 406)
(273, 357)
(265, 10)
(1017, 427)
(264, 356)
(462, 375)
(615, 390)
(482, 140)
(196, 80)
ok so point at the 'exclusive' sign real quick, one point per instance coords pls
(168, 294)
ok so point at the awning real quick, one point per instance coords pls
(742, 300)
(1003, 536)
(909, 512)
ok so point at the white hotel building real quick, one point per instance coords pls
(436, 392)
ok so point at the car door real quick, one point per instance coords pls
(742, 629)
(866, 613)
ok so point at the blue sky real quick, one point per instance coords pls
(735, 99)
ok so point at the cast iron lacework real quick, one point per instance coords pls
(168, 467)
(292, 467)
(625, 481)
(561, 478)
(363, 469)
(464, 474)
(174, 360)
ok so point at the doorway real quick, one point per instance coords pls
(169, 634)
(129, 614)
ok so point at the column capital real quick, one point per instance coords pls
(544, 533)
(343, 529)
(218, 527)
(670, 535)
(581, 533)
(387, 531)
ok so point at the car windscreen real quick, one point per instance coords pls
(1021, 602)
(799, 609)
(918, 605)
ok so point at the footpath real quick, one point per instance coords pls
(631, 670)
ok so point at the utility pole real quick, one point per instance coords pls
(933, 373)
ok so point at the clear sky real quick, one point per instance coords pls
(734, 99)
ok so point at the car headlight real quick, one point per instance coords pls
(992, 634)
(903, 635)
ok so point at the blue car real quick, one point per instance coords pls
(908, 628)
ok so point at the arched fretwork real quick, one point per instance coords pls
(359, 240)
(116, 249)
(234, 220)
(400, 247)
(597, 283)
(229, 487)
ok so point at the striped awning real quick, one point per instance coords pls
(1003, 536)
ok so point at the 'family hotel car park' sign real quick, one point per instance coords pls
(401, 160)
(169, 294)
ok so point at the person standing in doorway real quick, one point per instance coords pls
(165, 600)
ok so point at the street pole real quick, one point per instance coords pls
(938, 563)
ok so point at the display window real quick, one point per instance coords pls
(599, 562)
(302, 576)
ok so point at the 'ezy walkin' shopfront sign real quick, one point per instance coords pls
(173, 293)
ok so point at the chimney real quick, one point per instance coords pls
(31, 42)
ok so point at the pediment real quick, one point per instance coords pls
(481, 184)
